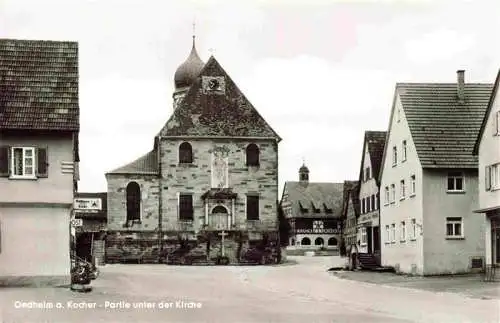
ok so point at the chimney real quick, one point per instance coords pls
(460, 86)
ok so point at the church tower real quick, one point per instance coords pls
(186, 73)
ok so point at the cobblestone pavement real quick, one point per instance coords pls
(298, 292)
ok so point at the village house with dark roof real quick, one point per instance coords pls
(209, 186)
(487, 148)
(350, 215)
(39, 127)
(369, 197)
(314, 212)
(429, 178)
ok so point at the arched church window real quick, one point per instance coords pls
(252, 155)
(133, 201)
(185, 153)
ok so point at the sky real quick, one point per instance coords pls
(320, 72)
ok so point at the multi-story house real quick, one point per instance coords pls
(313, 211)
(488, 149)
(429, 178)
(350, 214)
(369, 197)
(208, 187)
(39, 126)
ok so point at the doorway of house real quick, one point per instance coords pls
(376, 239)
(369, 237)
(84, 246)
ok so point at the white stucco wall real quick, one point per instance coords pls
(34, 242)
(443, 255)
(489, 154)
(406, 255)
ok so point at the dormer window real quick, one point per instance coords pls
(315, 210)
(302, 208)
(367, 173)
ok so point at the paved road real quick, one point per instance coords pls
(294, 293)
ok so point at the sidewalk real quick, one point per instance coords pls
(469, 285)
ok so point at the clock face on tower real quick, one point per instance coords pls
(213, 84)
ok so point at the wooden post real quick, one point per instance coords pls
(222, 234)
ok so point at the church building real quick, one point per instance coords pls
(208, 190)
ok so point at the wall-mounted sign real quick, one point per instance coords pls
(88, 204)
(320, 231)
(76, 222)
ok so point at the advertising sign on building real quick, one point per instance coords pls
(76, 222)
(88, 204)
(319, 231)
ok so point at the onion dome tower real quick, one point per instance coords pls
(186, 74)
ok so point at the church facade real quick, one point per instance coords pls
(208, 190)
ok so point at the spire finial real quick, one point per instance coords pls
(194, 31)
(303, 161)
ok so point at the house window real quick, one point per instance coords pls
(404, 151)
(455, 182)
(492, 177)
(185, 153)
(363, 206)
(377, 199)
(412, 184)
(252, 152)
(23, 161)
(368, 204)
(393, 233)
(497, 124)
(413, 229)
(133, 201)
(363, 236)
(398, 115)
(394, 156)
(402, 189)
(387, 234)
(393, 193)
(387, 197)
(454, 227)
(186, 207)
(403, 231)
(252, 207)
(374, 207)
(367, 173)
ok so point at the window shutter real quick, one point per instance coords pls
(4, 161)
(487, 178)
(42, 169)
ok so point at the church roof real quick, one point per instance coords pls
(224, 113)
(315, 199)
(144, 165)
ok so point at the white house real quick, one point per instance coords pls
(488, 149)
(429, 178)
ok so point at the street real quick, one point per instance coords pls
(297, 292)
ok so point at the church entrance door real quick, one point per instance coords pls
(219, 218)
